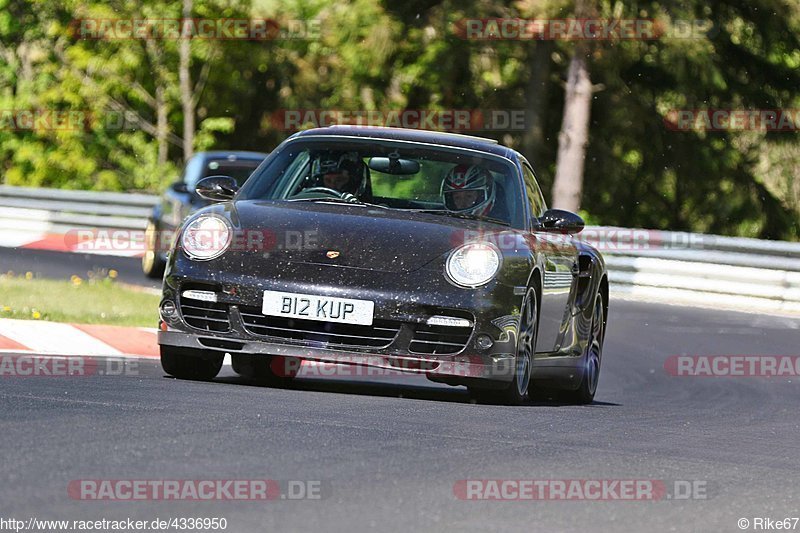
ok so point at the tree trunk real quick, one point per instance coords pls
(536, 96)
(185, 79)
(574, 135)
(162, 126)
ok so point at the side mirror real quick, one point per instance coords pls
(560, 221)
(180, 186)
(217, 188)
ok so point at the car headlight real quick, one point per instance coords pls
(473, 265)
(206, 237)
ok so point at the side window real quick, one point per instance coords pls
(533, 191)
(192, 172)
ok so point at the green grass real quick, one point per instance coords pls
(80, 301)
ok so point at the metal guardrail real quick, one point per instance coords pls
(58, 211)
(720, 271)
(671, 266)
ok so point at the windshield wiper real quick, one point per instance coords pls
(334, 200)
(467, 216)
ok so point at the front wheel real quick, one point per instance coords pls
(190, 363)
(153, 264)
(516, 391)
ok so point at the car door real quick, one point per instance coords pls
(180, 198)
(558, 278)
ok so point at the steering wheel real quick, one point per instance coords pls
(333, 192)
(326, 190)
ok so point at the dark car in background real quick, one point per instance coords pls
(181, 199)
(430, 253)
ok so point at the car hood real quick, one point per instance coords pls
(365, 237)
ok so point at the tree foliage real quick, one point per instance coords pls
(408, 55)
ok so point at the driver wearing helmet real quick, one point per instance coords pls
(469, 189)
(348, 176)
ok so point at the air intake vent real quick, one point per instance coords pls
(439, 340)
(379, 335)
(207, 316)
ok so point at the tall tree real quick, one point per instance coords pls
(574, 135)
(187, 96)
(536, 95)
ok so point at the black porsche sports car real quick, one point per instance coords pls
(425, 252)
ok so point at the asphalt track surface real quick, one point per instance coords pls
(388, 451)
(61, 265)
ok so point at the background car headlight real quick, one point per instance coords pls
(474, 264)
(206, 237)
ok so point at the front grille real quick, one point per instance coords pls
(208, 316)
(439, 340)
(379, 335)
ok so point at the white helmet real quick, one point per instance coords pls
(465, 178)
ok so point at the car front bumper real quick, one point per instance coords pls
(492, 367)
(491, 313)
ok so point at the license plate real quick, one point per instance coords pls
(313, 307)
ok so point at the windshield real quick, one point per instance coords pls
(239, 169)
(411, 176)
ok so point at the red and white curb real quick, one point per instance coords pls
(53, 338)
(91, 340)
(59, 242)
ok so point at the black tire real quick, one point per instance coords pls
(274, 371)
(592, 358)
(515, 392)
(189, 363)
(153, 263)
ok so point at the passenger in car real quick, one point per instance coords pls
(471, 189)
